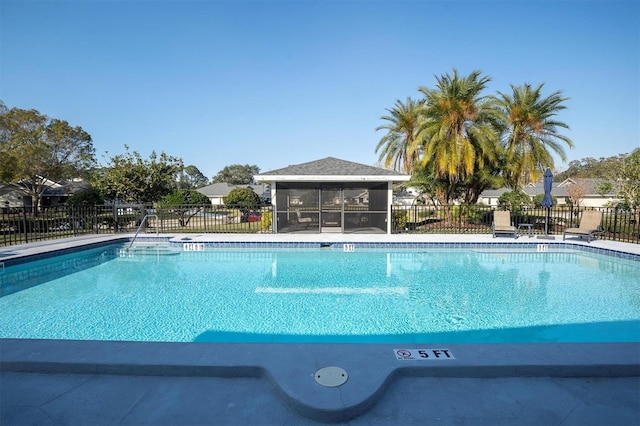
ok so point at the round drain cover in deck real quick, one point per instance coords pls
(331, 376)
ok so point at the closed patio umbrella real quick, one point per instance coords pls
(547, 201)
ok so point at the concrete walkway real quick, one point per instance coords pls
(102, 382)
(68, 399)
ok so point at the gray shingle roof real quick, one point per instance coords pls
(589, 185)
(222, 189)
(558, 189)
(330, 166)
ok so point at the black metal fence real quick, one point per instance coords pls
(618, 224)
(22, 225)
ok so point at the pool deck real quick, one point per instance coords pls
(92, 382)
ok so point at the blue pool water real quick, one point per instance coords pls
(323, 295)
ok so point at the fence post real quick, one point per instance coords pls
(143, 213)
(115, 219)
(615, 222)
(24, 225)
(95, 225)
(415, 218)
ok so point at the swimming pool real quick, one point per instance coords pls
(187, 293)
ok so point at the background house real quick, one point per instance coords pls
(14, 195)
(585, 190)
(217, 191)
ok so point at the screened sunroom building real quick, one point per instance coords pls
(331, 195)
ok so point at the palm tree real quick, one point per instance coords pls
(397, 145)
(458, 131)
(457, 128)
(531, 132)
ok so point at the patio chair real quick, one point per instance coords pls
(304, 220)
(502, 223)
(589, 225)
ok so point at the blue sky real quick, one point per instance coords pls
(274, 83)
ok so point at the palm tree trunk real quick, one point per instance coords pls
(443, 198)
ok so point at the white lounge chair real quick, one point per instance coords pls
(502, 224)
(304, 220)
(589, 225)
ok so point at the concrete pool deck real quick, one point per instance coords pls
(90, 382)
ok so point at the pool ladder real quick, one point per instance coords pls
(144, 220)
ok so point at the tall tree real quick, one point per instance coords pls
(458, 133)
(531, 132)
(243, 199)
(237, 174)
(130, 178)
(192, 178)
(36, 151)
(182, 201)
(627, 181)
(397, 147)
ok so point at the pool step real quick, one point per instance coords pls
(151, 249)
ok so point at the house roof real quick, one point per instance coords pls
(558, 189)
(589, 185)
(52, 188)
(331, 169)
(222, 189)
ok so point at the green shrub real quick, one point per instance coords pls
(182, 197)
(400, 219)
(537, 200)
(515, 201)
(243, 198)
(87, 197)
(267, 219)
(476, 214)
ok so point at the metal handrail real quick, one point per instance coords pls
(144, 219)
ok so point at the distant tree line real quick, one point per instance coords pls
(591, 168)
(37, 150)
(237, 174)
